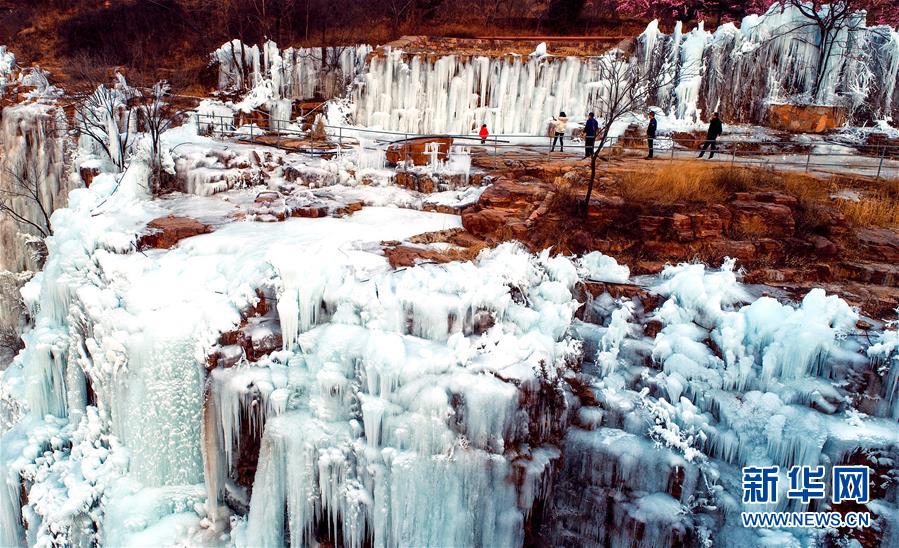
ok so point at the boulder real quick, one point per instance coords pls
(347, 209)
(165, 232)
(870, 273)
(504, 203)
(804, 118)
(822, 246)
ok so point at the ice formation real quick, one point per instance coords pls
(7, 64)
(294, 73)
(32, 156)
(774, 58)
(738, 71)
(432, 405)
(450, 94)
(274, 383)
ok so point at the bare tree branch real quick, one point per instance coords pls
(22, 193)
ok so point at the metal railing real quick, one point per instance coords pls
(866, 160)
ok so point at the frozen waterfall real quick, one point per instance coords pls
(738, 71)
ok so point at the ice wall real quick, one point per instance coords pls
(654, 454)
(769, 58)
(33, 185)
(32, 162)
(512, 94)
(402, 420)
(7, 64)
(775, 57)
(295, 73)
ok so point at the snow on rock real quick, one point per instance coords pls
(540, 50)
(602, 268)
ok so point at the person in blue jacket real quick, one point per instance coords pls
(591, 128)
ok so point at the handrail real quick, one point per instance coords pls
(412, 135)
(879, 157)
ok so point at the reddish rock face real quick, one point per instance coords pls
(165, 232)
(761, 229)
(348, 209)
(505, 203)
(882, 243)
(755, 214)
(412, 181)
(416, 150)
(689, 139)
(805, 118)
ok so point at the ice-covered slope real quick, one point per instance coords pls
(458, 404)
(277, 383)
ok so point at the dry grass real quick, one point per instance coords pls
(701, 183)
(676, 182)
(698, 182)
(877, 207)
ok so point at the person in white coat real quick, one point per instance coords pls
(560, 125)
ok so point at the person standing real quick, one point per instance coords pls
(711, 136)
(484, 133)
(651, 132)
(591, 128)
(560, 125)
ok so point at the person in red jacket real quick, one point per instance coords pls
(484, 133)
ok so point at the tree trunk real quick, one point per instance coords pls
(602, 141)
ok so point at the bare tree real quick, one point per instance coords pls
(625, 86)
(22, 196)
(826, 26)
(155, 116)
(98, 116)
(398, 10)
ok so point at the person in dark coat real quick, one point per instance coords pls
(651, 132)
(591, 128)
(711, 136)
